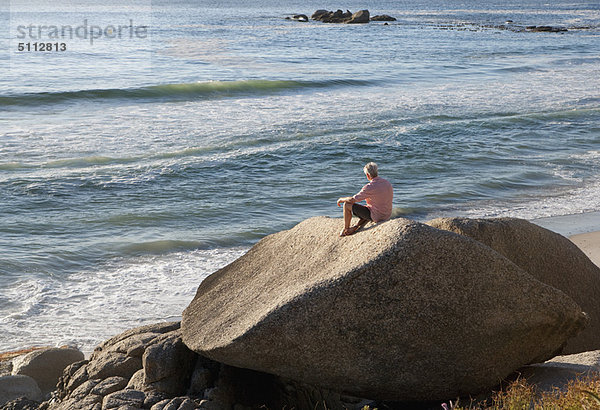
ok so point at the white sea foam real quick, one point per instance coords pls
(91, 306)
(566, 201)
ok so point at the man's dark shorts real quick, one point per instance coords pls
(361, 211)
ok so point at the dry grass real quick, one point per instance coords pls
(11, 355)
(579, 394)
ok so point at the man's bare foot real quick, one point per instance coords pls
(349, 231)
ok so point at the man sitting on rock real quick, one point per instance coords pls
(378, 194)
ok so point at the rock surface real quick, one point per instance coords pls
(547, 256)
(45, 366)
(559, 371)
(13, 387)
(400, 311)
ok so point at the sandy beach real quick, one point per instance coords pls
(589, 243)
(582, 229)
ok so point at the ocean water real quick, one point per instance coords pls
(170, 136)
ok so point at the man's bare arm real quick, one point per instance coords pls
(350, 200)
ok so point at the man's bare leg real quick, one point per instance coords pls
(347, 220)
(350, 230)
(361, 222)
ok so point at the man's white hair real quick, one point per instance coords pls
(371, 169)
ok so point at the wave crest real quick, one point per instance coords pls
(176, 92)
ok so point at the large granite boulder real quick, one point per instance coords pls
(399, 311)
(547, 256)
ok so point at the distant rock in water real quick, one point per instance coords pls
(339, 16)
(298, 17)
(317, 15)
(360, 17)
(547, 256)
(508, 25)
(550, 29)
(383, 17)
(399, 311)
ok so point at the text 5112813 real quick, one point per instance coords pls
(42, 47)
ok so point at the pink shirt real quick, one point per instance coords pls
(379, 195)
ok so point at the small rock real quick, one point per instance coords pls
(137, 381)
(115, 400)
(13, 387)
(113, 364)
(383, 17)
(201, 380)
(68, 373)
(46, 366)
(89, 402)
(360, 17)
(177, 403)
(210, 405)
(168, 364)
(84, 389)
(301, 17)
(5, 367)
(152, 398)
(549, 29)
(66, 385)
(318, 15)
(110, 385)
(160, 405)
(133, 337)
(21, 404)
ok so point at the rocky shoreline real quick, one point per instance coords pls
(149, 367)
(212, 385)
(402, 314)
